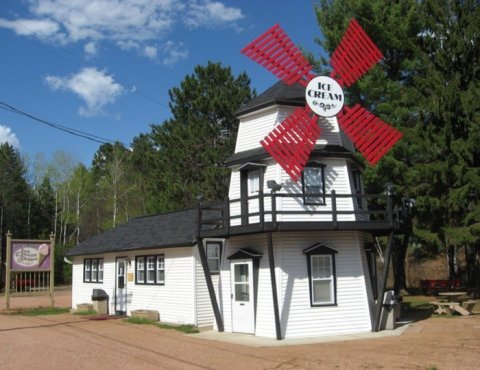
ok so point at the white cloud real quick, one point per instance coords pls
(41, 28)
(130, 24)
(150, 52)
(7, 136)
(173, 53)
(94, 87)
(211, 14)
(91, 48)
(128, 45)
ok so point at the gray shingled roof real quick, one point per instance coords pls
(278, 94)
(172, 229)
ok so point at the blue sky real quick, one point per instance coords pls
(105, 66)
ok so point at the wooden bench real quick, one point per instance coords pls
(468, 305)
(448, 308)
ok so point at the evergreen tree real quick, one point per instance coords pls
(193, 145)
(428, 86)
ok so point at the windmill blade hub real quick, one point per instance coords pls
(324, 96)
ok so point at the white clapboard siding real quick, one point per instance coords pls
(174, 300)
(265, 322)
(298, 319)
(254, 127)
(352, 312)
(203, 305)
(82, 292)
(336, 178)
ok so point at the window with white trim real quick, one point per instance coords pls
(321, 279)
(140, 270)
(313, 184)
(321, 275)
(91, 270)
(253, 182)
(214, 251)
(150, 270)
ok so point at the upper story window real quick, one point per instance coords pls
(313, 184)
(214, 252)
(357, 186)
(253, 182)
(93, 270)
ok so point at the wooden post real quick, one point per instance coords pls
(208, 276)
(261, 208)
(52, 269)
(271, 262)
(334, 209)
(7, 271)
(383, 283)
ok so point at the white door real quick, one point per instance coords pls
(253, 191)
(243, 310)
(121, 287)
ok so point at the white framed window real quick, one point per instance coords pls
(253, 182)
(160, 270)
(91, 270)
(150, 270)
(322, 279)
(313, 184)
(87, 276)
(214, 251)
(140, 270)
(321, 275)
(94, 270)
(100, 270)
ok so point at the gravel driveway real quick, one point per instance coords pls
(68, 341)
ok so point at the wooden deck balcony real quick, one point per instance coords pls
(376, 214)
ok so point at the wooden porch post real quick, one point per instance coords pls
(383, 283)
(273, 280)
(208, 276)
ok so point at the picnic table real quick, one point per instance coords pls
(453, 304)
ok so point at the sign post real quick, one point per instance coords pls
(52, 268)
(30, 267)
(7, 271)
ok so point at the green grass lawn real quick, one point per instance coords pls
(41, 311)
(187, 329)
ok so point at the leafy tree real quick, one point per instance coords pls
(194, 143)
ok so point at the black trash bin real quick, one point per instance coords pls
(100, 301)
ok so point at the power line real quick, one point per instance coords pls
(69, 130)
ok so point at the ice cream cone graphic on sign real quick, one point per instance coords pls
(43, 252)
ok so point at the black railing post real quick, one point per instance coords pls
(389, 210)
(274, 209)
(226, 215)
(261, 208)
(334, 209)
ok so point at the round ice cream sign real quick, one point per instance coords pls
(324, 96)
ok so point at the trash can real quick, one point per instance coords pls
(389, 311)
(100, 301)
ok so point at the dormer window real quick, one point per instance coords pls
(313, 184)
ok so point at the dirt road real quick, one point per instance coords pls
(68, 341)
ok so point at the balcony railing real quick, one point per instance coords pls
(264, 212)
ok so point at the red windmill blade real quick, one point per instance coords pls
(292, 141)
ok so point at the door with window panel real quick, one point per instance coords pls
(243, 309)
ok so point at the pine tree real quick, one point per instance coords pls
(191, 147)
